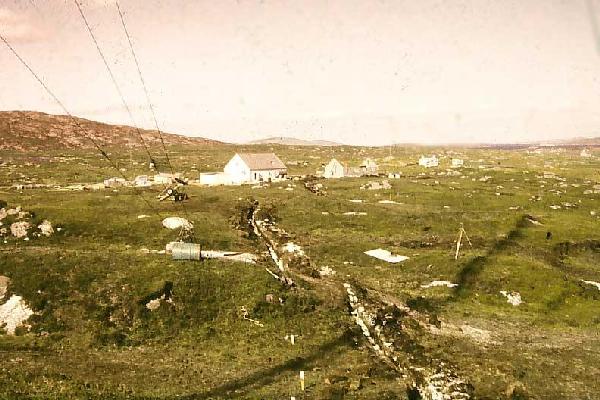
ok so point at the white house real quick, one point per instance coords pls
(255, 167)
(585, 153)
(142, 180)
(334, 169)
(457, 162)
(428, 162)
(166, 178)
(369, 167)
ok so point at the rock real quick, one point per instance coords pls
(13, 313)
(355, 384)
(154, 304)
(439, 283)
(46, 228)
(326, 271)
(177, 222)
(4, 281)
(13, 211)
(386, 255)
(513, 298)
(19, 229)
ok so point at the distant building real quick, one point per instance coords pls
(255, 167)
(142, 180)
(457, 162)
(369, 167)
(585, 153)
(429, 162)
(165, 178)
(334, 169)
(214, 178)
(114, 182)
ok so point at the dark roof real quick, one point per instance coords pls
(262, 161)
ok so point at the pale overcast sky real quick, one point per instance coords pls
(359, 72)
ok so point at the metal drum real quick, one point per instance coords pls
(186, 251)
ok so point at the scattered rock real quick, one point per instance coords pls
(176, 223)
(597, 284)
(291, 247)
(513, 298)
(326, 271)
(388, 202)
(46, 228)
(385, 255)
(4, 281)
(154, 304)
(533, 220)
(14, 313)
(19, 229)
(375, 185)
(440, 283)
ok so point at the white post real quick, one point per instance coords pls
(302, 380)
(458, 244)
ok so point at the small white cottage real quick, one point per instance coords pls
(164, 178)
(457, 162)
(255, 167)
(369, 167)
(585, 153)
(334, 169)
(429, 162)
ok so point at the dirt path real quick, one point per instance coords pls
(390, 328)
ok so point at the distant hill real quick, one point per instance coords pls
(29, 130)
(289, 141)
(579, 141)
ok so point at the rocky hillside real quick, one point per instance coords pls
(28, 130)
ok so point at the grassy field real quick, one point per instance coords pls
(93, 337)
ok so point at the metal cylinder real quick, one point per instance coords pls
(186, 251)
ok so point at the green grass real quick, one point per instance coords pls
(92, 336)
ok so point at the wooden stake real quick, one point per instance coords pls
(459, 241)
(302, 380)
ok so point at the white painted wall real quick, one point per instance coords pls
(237, 170)
(214, 178)
(429, 161)
(334, 169)
(457, 162)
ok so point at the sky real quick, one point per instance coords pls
(368, 72)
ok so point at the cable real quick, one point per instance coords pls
(114, 80)
(143, 82)
(77, 124)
